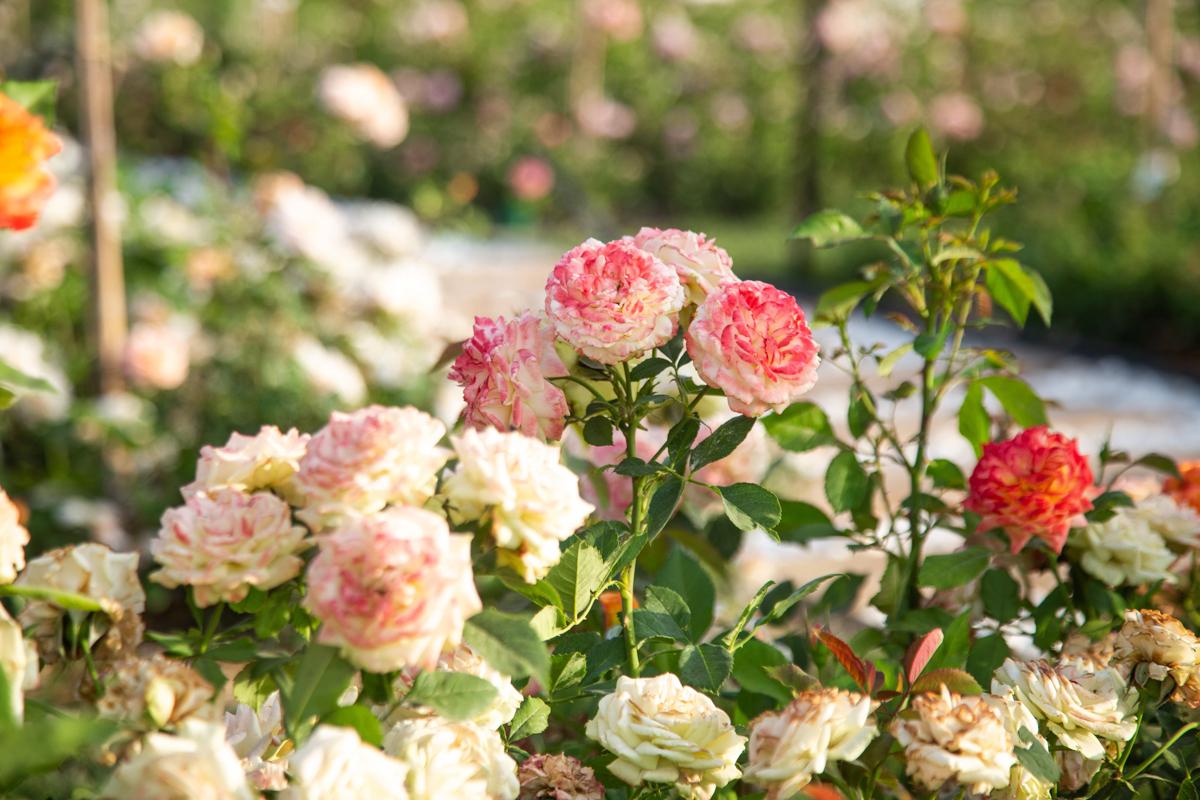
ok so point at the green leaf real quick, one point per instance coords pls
(274, 615)
(840, 595)
(252, 603)
(453, 695)
(956, 252)
(604, 656)
(508, 643)
(36, 97)
(955, 645)
(986, 656)
(798, 522)
(649, 624)
(888, 362)
(750, 506)
(42, 745)
(578, 575)
(1042, 300)
(598, 432)
(1011, 287)
(920, 159)
(723, 441)
(845, 482)
(1001, 595)
(780, 609)
(973, 420)
(836, 304)
(690, 581)
(889, 587)
(531, 718)
(649, 368)
(829, 228)
(20, 384)
(861, 413)
(945, 474)
(634, 467)
(705, 667)
(662, 505)
(236, 652)
(1018, 400)
(680, 438)
(954, 679)
(321, 678)
(667, 601)
(954, 569)
(67, 600)
(802, 426)
(1036, 759)
(360, 719)
(1161, 463)
(750, 664)
(792, 677)
(930, 345)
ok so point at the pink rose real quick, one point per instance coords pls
(700, 264)
(222, 545)
(531, 178)
(264, 461)
(504, 370)
(364, 460)
(393, 589)
(613, 302)
(156, 356)
(750, 340)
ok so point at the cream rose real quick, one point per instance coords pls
(13, 538)
(1080, 708)
(157, 691)
(664, 732)
(14, 658)
(169, 36)
(1123, 550)
(97, 572)
(224, 544)
(194, 764)
(1169, 649)
(956, 738)
(1178, 525)
(464, 659)
(452, 759)
(267, 460)
(516, 483)
(334, 764)
(256, 737)
(368, 459)
(1022, 784)
(789, 747)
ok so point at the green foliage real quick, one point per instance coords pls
(453, 695)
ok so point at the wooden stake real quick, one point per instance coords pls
(94, 51)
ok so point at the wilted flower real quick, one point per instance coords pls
(664, 732)
(531, 178)
(169, 36)
(366, 459)
(700, 264)
(367, 99)
(1035, 484)
(1080, 708)
(393, 588)
(1123, 550)
(1022, 784)
(156, 355)
(505, 370)
(256, 737)
(789, 747)
(955, 738)
(1185, 492)
(335, 764)
(14, 662)
(194, 763)
(751, 340)
(225, 543)
(452, 759)
(267, 460)
(1084, 655)
(25, 183)
(517, 483)
(612, 302)
(1077, 771)
(465, 660)
(96, 572)
(557, 777)
(1178, 524)
(13, 538)
(157, 690)
(1169, 649)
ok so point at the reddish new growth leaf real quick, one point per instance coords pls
(863, 673)
(820, 791)
(920, 652)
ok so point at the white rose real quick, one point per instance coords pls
(195, 764)
(452, 759)
(464, 659)
(96, 572)
(956, 738)
(266, 460)
(13, 538)
(664, 732)
(1179, 525)
(1022, 784)
(1080, 708)
(158, 690)
(1123, 550)
(14, 658)
(518, 483)
(789, 747)
(334, 764)
(256, 738)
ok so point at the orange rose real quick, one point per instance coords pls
(25, 183)
(1036, 484)
(1185, 492)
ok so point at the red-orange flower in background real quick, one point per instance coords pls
(1185, 492)
(1036, 484)
(25, 183)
